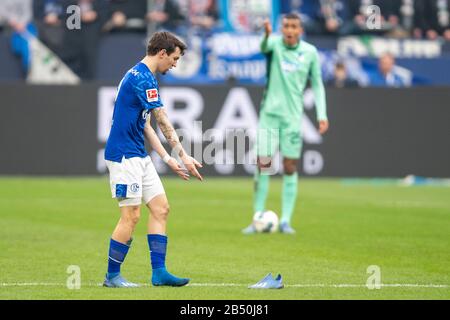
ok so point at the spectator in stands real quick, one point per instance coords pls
(410, 18)
(127, 15)
(359, 16)
(309, 12)
(3, 20)
(340, 78)
(47, 17)
(80, 46)
(334, 17)
(438, 19)
(386, 75)
(166, 14)
(202, 15)
(17, 16)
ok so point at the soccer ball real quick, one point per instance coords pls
(265, 221)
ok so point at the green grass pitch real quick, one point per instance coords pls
(49, 224)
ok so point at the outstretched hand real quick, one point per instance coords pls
(323, 126)
(192, 165)
(267, 27)
(179, 170)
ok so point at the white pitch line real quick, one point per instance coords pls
(389, 285)
(31, 284)
(313, 285)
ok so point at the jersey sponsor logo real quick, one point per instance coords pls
(152, 95)
(288, 66)
(134, 188)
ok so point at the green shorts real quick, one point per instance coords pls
(275, 131)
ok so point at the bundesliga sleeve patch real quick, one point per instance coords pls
(152, 95)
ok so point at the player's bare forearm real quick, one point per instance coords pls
(320, 97)
(169, 132)
(172, 138)
(265, 42)
(154, 141)
(267, 28)
(156, 144)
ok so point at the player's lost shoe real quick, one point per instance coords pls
(279, 281)
(161, 277)
(268, 282)
(118, 282)
(249, 230)
(286, 228)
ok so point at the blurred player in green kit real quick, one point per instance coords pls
(291, 62)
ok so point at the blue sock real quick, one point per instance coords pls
(117, 253)
(160, 276)
(158, 247)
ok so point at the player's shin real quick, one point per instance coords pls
(160, 276)
(129, 217)
(117, 253)
(261, 181)
(289, 197)
(158, 248)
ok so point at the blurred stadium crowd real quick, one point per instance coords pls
(78, 49)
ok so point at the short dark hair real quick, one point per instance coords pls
(339, 65)
(164, 40)
(293, 16)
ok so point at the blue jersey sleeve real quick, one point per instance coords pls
(147, 92)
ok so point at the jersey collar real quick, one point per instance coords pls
(292, 47)
(146, 67)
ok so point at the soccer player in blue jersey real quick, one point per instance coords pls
(133, 177)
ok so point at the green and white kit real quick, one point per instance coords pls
(289, 69)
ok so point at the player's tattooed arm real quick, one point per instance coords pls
(154, 141)
(156, 144)
(172, 138)
(168, 131)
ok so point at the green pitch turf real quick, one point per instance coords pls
(49, 224)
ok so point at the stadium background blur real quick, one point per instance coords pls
(387, 153)
(387, 75)
(222, 32)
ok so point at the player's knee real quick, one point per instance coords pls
(264, 163)
(161, 212)
(265, 166)
(132, 216)
(290, 168)
(135, 219)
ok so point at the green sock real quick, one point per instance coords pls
(261, 191)
(290, 183)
